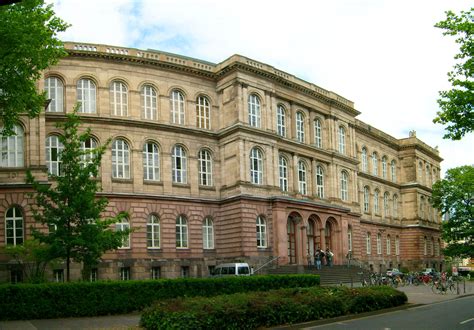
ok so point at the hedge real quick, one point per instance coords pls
(267, 309)
(54, 300)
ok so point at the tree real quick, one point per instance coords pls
(31, 257)
(457, 104)
(29, 45)
(70, 207)
(454, 197)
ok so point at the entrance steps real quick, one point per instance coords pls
(336, 274)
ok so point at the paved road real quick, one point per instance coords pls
(416, 295)
(450, 314)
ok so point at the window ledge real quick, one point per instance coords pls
(210, 188)
(181, 185)
(153, 182)
(119, 180)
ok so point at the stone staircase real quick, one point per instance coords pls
(329, 275)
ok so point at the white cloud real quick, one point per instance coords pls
(384, 55)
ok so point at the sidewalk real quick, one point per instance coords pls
(416, 295)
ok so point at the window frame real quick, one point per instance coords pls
(318, 133)
(375, 164)
(366, 199)
(203, 112)
(254, 110)
(208, 233)
(344, 186)
(86, 91)
(368, 243)
(205, 168)
(177, 107)
(342, 140)
(283, 173)
(118, 91)
(120, 159)
(302, 178)
(281, 120)
(153, 232)
(12, 153)
(256, 166)
(261, 226)
(151, 161)
(55, 93)
(123, 225)
(299, 124)
(149, 102)
(182, 232)
(16, 225)
(54, 148)
(320, 181)
(364, 160)
(179, 165)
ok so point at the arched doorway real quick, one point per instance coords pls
(313, 238)
(328, 230)
(293, 219)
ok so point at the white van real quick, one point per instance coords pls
(232, 269)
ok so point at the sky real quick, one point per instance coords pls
(384, 55)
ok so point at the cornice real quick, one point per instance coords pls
(378, 179)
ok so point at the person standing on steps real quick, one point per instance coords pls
(329, 257)
(317, 258)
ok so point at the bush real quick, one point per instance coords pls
(53, 300)
(266, 309)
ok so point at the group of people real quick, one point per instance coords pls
(321, 258)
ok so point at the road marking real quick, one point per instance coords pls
(464, 322)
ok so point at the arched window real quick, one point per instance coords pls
(342, 140)
(53, 155)
(349, 237)
(149, 104)
(256, 166)
(425, 246)
(205, 167)
(14, 226)
(302, 184)
(254, 110)
(153, 232)
(179, 165)
(181, 232)
(384, 167)
(432, 247)
(283, 172)
(203, 113)
(389, 245)
(376, 201)
(368, 243)
(386, 205)
(207, 233)
(54, 89)
(422, 207)
(344, 186)
(86, 96)
(122, 226)
(379, 243)
(87, 148)
(365, 165)
(395, 206)
(420, 172)
(375, 164)
(300, 126)
(318, 133)
(397, 245)
(177, 107)
(11, 148)
(434, 177)
(261, 232)
(366, 199)
(119, 98)
(281, 120)
(320, 181)
(120, 159)
(151, 162)
(428, 175)
(393, 166)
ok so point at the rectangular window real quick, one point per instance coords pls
(155, 273)
(58, 275)
(125, 273)
(184, 271)
(94, 276)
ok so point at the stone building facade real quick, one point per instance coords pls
(236, 161)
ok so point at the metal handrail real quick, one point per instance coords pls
(265, 264)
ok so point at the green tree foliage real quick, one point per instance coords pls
(457, 104)
(28, 45)
(70, 207)
(31, 257)
(454, 196)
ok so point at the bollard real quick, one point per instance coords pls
(464, 283)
